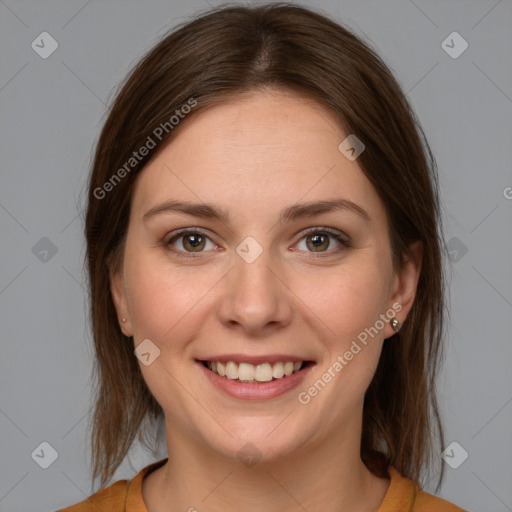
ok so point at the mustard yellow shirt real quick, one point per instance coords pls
(403, 495)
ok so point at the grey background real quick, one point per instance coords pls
(51, 113)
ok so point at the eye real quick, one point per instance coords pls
(318, 240)
(188, 241)
(191, 242)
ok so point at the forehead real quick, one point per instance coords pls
(255, 152)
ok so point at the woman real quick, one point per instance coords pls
(266, 273)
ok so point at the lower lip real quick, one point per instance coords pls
(256, 391)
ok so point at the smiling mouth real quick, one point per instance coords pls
(247, 373)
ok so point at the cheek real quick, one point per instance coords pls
(349, 303)
(348, 299)
(163, 300)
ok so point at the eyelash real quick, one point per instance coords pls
(336, 235)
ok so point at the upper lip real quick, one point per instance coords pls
(245, 358)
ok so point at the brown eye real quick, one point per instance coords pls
(318, 242)
(190, 242)
(324, 241)
(193, 242)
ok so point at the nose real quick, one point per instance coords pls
(255, 298)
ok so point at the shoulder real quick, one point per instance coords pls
(426, 502)
(405, 495)
(112, 497)
(120, 496)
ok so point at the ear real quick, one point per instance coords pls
(404, 286)
(118, 293)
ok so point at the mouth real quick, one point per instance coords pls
(248, 373)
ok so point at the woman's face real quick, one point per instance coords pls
(269, 283)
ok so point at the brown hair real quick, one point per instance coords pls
(218, 55)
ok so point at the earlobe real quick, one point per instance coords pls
(405, 284)
(119, 299)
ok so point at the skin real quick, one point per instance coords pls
(253, 156)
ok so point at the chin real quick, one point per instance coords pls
(257, 439)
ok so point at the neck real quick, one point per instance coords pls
(324, 476)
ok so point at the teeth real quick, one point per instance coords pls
(231, 370)
(278, 370)
(246, 372)
(263, 372)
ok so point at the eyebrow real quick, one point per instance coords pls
(290, 214)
